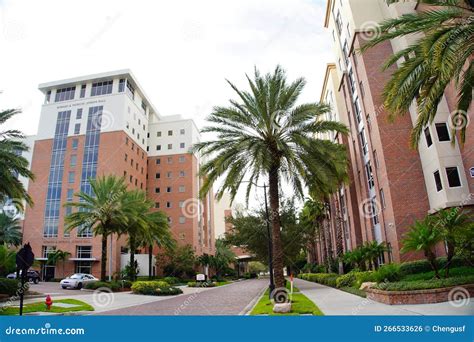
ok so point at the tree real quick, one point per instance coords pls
(58, 256)
(222, 257)
(102, 211)
(441, 56)
(10, 230)
(7, 260)
(311, 217)
(453, 223)
(178, 262)
(12, 164)
(373, 250)
(265, 134)
(423, 236)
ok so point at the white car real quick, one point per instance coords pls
(77, 281)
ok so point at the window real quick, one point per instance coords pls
(133, 147)
(47, 250)
(144, 106)
(181, 145)
(158, 161)
(170, 133)
(83, 267)
(84, 252)
(121, 85)
(376, 160)
(454, 180)
(182, 173)
(75, 143)
(131, 162)
(437, 178)
(169, 174)
(182, 219)
(170, 146)
(130, 90)
(83, 91)
(157, 205)
(131, 178)
(181, 159)
(429, 141)
(442, 131)
(338, 22)
(170, 160)
(126, 157)
(157, 175)
(73, 160)
(79, 114)
(48, 96)
(361, 87)
(382, 199)
(182, 188)
(126, 141)
(158, 147)
(181, 204)
(77, 128)
(65, 94)
(157, 190)
(70, 193)
(101, 88)
(182, 131)
(158, 134)
(168, 204)
(168, 189)
(71, 177)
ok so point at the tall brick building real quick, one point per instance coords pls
(105, 124)
(391, 184)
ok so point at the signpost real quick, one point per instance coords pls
(24, 260)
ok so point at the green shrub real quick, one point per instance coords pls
(250, 275)
(453, 272)
(362, 277)
(346, 280)
(426, 284)
(389, 272)
(115, 285)
(201, 284)
(423, 266)
(148, 287)
(167, 291)
(322, 278)
(10, 286)
(172, 280)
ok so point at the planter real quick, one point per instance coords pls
(421, 296)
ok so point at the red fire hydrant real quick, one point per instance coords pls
(48, 302)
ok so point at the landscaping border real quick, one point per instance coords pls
(428, 296)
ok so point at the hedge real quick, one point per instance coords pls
(114, 285)
(10, 286)
(422, 266)
(426, 284)
(201, 284)
(155, 288)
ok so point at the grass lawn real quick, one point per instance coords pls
(300, 305)
(41, 307)
(354, 291)
(220, 283)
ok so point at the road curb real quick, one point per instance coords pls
(248, 309)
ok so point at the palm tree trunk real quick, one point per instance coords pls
(450, 254)
(103, 263)
(276, 235)
(432, 260)
(150, 258)
(132, 257)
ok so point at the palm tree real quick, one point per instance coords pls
(373, 251)
(7, 260)
(423, 237)
(452, 222)
(312, 216)
(443, 55)
(10, 230)
(222, 257)
(58, 256)
(265, 134)
(102, 211)
(12, 164)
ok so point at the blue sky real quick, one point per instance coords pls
(180, 51)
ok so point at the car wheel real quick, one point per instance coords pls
(79, 286)
(64, 287)
(36, 280)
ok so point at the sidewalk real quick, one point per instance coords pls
(333, 302)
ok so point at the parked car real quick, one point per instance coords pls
(32, 276)
(77, 281)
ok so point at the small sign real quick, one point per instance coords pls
(200, 277)
(471, 171)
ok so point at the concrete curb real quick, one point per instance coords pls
(248, 309)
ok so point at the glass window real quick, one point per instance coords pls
(70, 194)
(158, 161)
(169, 174)
(168, 189)
(121, 85)
(382, 198)
(170, 133)
(182, 173)
(182, 131)
(73, 160)
(48, 96)
(182, 219)
(157, 190)
(75, 143)
(158, 175)
(437, 178)
(170, 160)
(83, 91)
(65, 94)
(181, 204)
(168, 204)
(130, 90)
(47, 250)
(77, 128)
(182, 159)
(157, 205)
(182, 188)
(429, 141)
(170, 146)
(84, 252)
(158, 134)
(71, 177)
(101, 88)
(79, 114)
(181, 145)
(144, 106)
(158, 147)
(442, 131)
(453, 177)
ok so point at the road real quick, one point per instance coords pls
(233, 299)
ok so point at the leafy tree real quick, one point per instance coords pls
(12, 164)
(222, 258)
(423, 237)
(265, 134)
(257, 267)
(103, 211)
(443, 55)
(7, 260)
(373, 250)
(10, 230)
(58, 256)
(178, 262)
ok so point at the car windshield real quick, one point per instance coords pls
(76, 276)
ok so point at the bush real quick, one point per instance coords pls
(314, 268)
(115, 285)
(168, 291)
(426, 284)
(422, 266)
(250, 275)
(362, 277)
(172, 280)
(389, 272)
(346, 280)
(322, 278)
(201, 284)
(10, 286)
(148, 287)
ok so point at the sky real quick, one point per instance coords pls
(180, 51)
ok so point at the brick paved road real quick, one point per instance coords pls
(230, 299)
